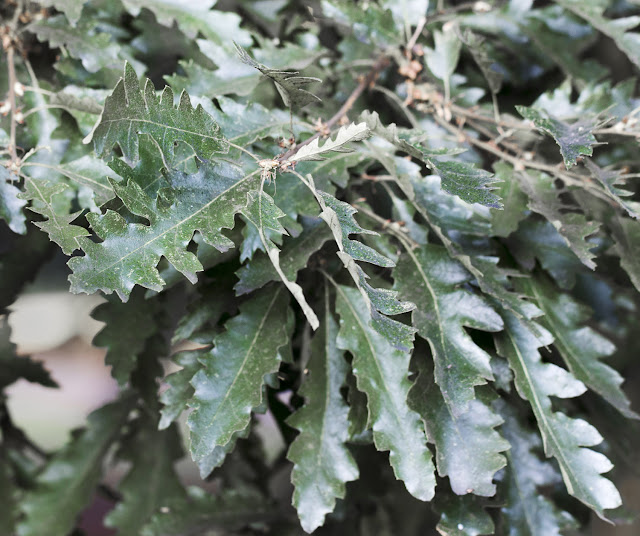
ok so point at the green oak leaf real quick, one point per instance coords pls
(322, 462)
(564, 438)
(580, 346)
(175, 398)
(204, 201)
(381, 371)
(229, 386)
(293, 258)
(128, 327)
(468, 448)
(380, 302)
(504, 222)
(466, 181)
(152, 483)
(574, 139)
(528, 512)
(71, 8)
(611, 180)
(66, 484)
(229, 510)
(432, 279)
(53, 201)
(617, 29)
(130, 112)
(97, 50)
(573, 227)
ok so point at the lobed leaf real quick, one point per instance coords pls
(382, 374)
(230, 384)
(433, 280)
(322, 462)
(563, 437)
(574, 139)
(346, 134)
(11, 203)
(66, 485)
(130, 112)
(204, 201)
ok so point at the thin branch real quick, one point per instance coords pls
(11, 72)
(378, 66)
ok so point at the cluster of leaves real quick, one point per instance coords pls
(411, 273)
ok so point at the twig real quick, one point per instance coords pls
(378, 66)
(11, 71)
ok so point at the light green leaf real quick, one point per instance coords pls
(442, 60)
(97, 50)
(230, 384)
(53, 201)
(382, 374)
(580, 346)
(563, 437)
(462, 516)
(627, 236)
(528, 512)
(544, 198)
(346, 134)
(130, 112)
(287, 83)
(11, 203)
(322, 462)
(370, 23)
(264, 214)
(432, 279)
(574, 139)
(152, 483)
(193, 18)
(128, 327)
(504, 222)
(466, 181)
(71, 8)
(339, 217)
(129, 253)
(67, 483)
(617, 29)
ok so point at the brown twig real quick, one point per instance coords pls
(12, 103)
(378, 66)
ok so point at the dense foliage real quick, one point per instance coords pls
(403, 230)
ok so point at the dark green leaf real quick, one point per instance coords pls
(528, 512)
(432, 279)
(130, 112)
(206, 201)
(463, 516)
(580, 346)
(468, 448)
(627, 236)
(382, 374)
(322, 462)
(466, 181)
(65, 486)
(128, 327)
(574, 139)
(563, 437)
(230, 384)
